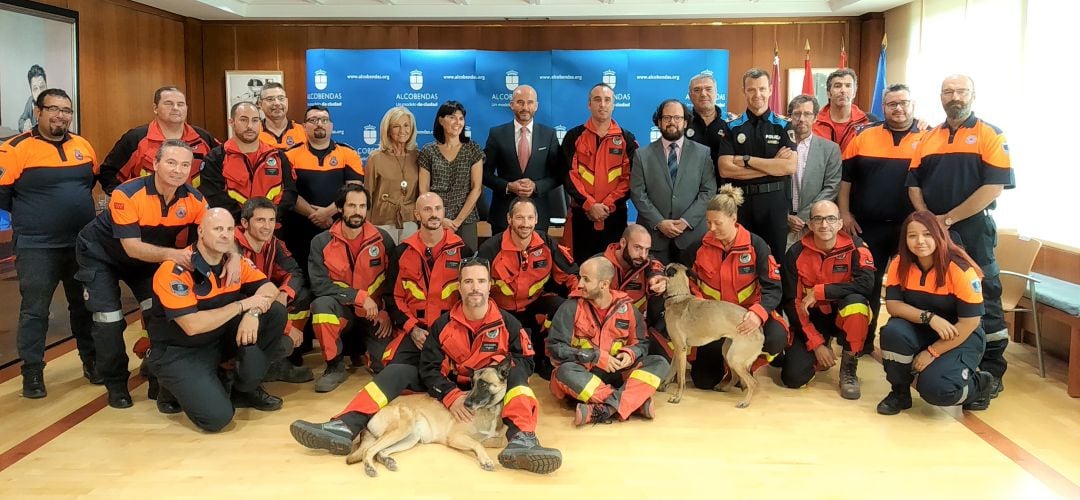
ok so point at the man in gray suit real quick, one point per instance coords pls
(671, 181)
(817, 173)
(521, 158)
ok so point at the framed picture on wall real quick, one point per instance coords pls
(40, 45)
(244, 85)
(795, 78)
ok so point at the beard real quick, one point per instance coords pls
(319, 133)
(957, 109)
(632, 261)
(433, 223)
(354, 222)
(671, 133)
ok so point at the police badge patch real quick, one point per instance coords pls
(690, 132)
(744, 258)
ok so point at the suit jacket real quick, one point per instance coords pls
(821, 175)
(501, 167)
(657, 199)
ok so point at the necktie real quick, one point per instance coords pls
(523, 148)
(673, 161)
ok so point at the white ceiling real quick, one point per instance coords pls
(413, 10)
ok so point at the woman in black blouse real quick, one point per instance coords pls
(453, 168)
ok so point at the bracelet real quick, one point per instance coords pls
(925, 317)
(930, 349)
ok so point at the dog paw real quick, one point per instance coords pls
(390, 463)
(370, 470)
(674, 400)
(488, 466)
(743, 404)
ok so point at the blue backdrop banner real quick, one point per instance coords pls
(359, 86)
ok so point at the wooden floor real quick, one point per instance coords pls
(806, 443)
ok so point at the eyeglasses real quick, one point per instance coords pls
(318, 121)
(830, 219)
(801, 114)
(279, 98)
(897, 104)
(58, 109)
(956, 92)
(672, 118)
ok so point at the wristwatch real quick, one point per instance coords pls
(746, 161)
(925, 317)
(254, 313)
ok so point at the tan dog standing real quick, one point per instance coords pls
(692, 322)
(420, 418)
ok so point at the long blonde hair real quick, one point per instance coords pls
(391, 116)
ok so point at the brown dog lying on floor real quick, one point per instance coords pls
(420, 418)
(693, 322)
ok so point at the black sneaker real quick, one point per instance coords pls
(525, 453)
(285, 371)
(333, 436)
(984, 385)
(593, 413)
(119, 397)
(258, 399)
(895, 402)
(333, 376)
(33, 385)
(90, 372)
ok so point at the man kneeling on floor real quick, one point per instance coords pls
(196, 322)
(475, 334)
(598, 346)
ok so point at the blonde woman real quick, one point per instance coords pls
(393, 175)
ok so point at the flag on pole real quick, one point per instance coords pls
(843, 54)
(879, 82)
(774, 101)
(808, 75)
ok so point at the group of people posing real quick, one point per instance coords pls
(800, 219)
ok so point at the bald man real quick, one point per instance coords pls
(522, 158)
(827, 276)
(598, 345)
(196, 321)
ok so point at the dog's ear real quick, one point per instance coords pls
(670, 271)
(691, 274)
(503, 368)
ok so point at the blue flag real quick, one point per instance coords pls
(879, 82)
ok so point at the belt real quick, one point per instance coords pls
(765, 187)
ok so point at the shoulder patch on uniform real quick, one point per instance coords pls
(180, 288)
(976, 285)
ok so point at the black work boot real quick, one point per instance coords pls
(524, 452)
(899, 399)
(984, 387)
(999, 387)
(333, 376)
(258, 399)
(594, 413)
(849, 379)
(166, 402)
(33, 385)
(333, 436)
(285, 371)
(119, 397)
(90, 372)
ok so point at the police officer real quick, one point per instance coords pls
(957, 172)
(708, 126)
(46, 178)
(759, 158)
(935, 301)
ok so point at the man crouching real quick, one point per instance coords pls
(196, 322)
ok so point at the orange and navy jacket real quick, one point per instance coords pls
(960, 297)
(599, 166)
(842, 133)
(581, 334)
(950, 165)
(133, 155)
(426, 283)
(48, 187)
(633, 281)
(320, 174)
(292, 137)
(846, 269)
(745, 274)
(519, 276)
(137, 210)
(230, 177)
(275, 261)
(179, 291)
(335, 272)
(458, 347)
(876, 165)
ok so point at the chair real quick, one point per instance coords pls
(1015, 255)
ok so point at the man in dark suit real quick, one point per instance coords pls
(671, 181)
(522, 158)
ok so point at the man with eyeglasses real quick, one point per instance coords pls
(708, 126)
(957, 172)
(759, 158)
(873, 199)
(277, 129)
(133, 155)
(320, 167)
(827, 277)
(245, 167)
(46, 182)
(671, 182)
(531, 274)
(817, 173)
(840, 120)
